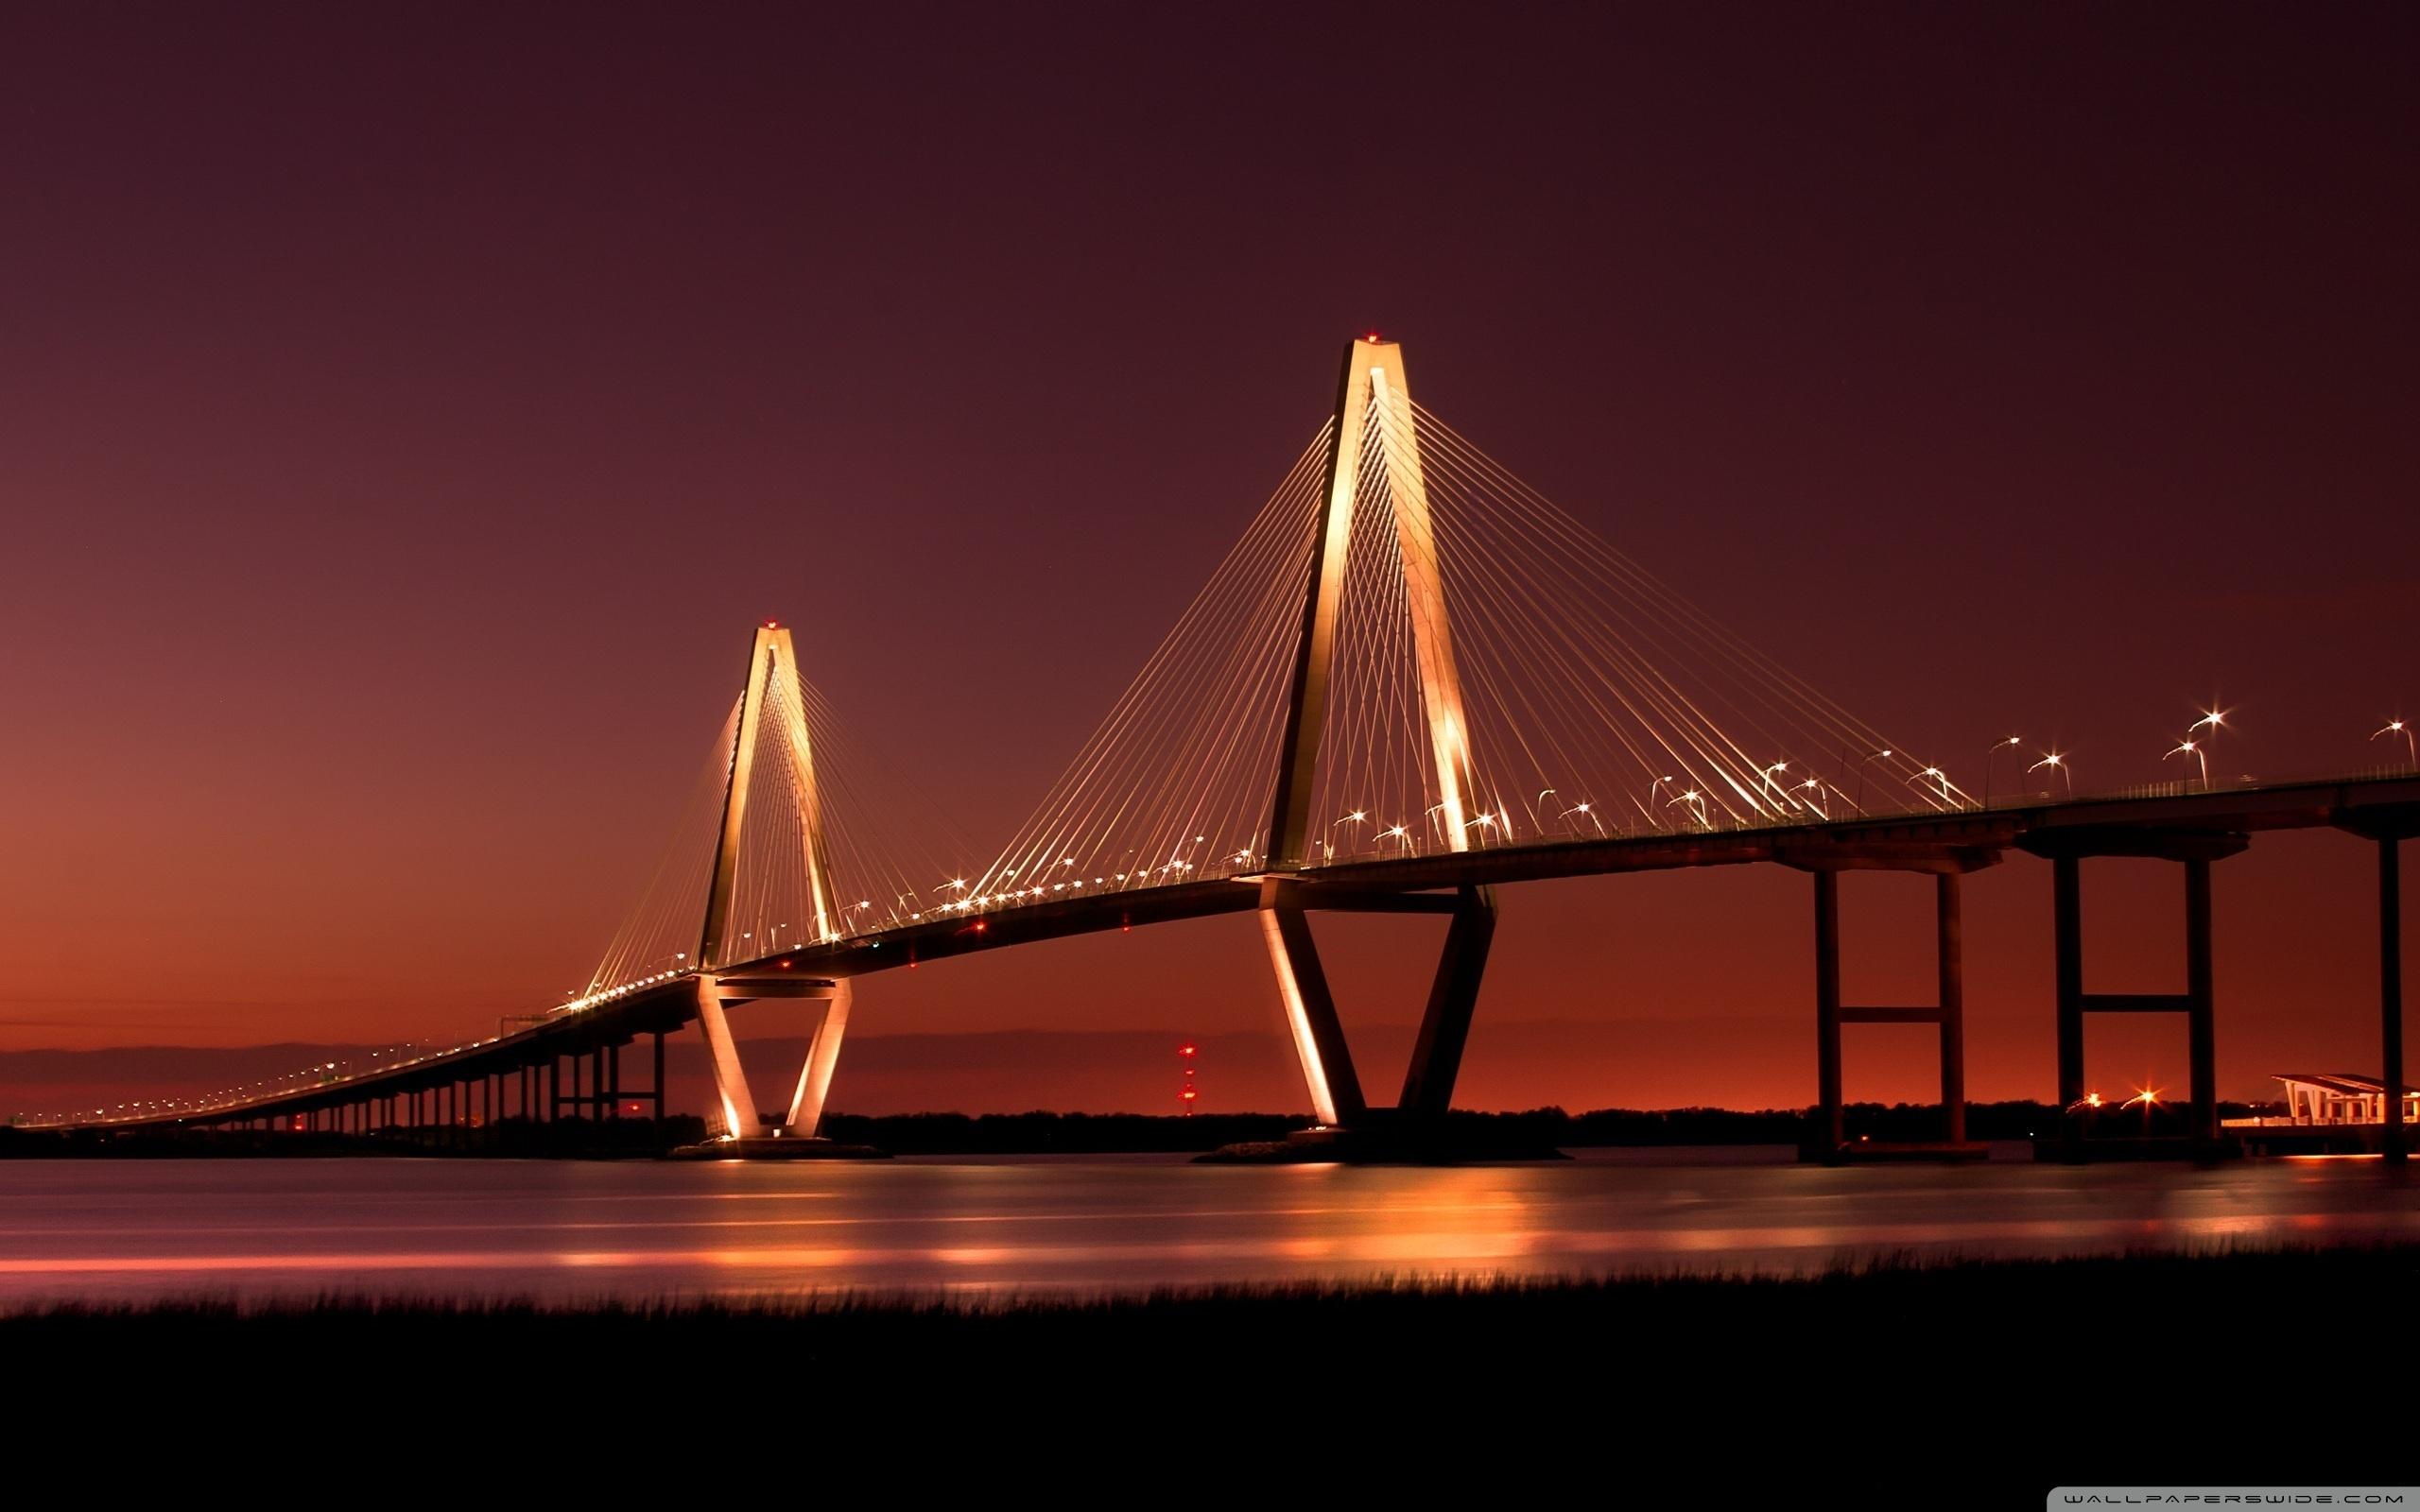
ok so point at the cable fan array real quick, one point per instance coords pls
(874, 876)
(1597, 702)
(1174, 785)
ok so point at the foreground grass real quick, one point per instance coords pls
(1968, 1384)
(2253, 1292)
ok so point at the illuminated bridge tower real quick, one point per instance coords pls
(772, 665)
(1373, 394)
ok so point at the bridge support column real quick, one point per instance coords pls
(2195, 851)
(1949, 939)
(1947, 1013)
(2067, 908)
(822, 1055)
(1310, 1010)
(2389, 828)
(1453, 997)
(1336, 1099)
(659, 1076)
(1827, 1010)
(731, 1083)
(2393, 1143)
(2201, 1026)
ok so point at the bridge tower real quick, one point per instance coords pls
(1372, 392)
(772, 668)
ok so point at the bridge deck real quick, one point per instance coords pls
(1945, 840)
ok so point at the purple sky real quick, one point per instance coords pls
(406, 411)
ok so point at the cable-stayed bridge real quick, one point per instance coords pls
(1412, 681)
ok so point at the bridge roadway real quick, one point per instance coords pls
(2146, 822)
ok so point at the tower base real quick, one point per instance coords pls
(781, 1149)
(1386, 1139)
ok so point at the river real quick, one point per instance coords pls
(577, 1231)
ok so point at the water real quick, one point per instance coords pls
(572, 1230)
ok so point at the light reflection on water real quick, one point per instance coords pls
(120, 1230)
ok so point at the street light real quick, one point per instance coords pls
(2193, 748)
(1766, 780)
(1882, 755)
(1650, 797)
(1938, 776)
(1697, 805)
(2149, 1098)
(2059, 765)
(2398, 727)
(1354, 817)
(1989, 751)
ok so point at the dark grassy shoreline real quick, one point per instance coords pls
(1979, 1384)
(2313, 1279)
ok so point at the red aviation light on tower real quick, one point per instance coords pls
(1184, 1056)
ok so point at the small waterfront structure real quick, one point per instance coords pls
(2325, 1112)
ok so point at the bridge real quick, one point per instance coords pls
(1413, 680)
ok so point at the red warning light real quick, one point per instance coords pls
(1372, 336)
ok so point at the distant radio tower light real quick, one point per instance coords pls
(1184, 1056)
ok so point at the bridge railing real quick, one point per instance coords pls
(1837, 810)
(2193, 787)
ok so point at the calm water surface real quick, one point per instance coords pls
(567, 1231)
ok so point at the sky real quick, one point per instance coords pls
(406, 411)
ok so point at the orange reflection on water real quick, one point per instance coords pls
(504, 1229)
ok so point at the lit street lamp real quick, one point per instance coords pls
(1767, 777)
(1588, 809)
(1356, 817)
(1993, 749)
(2059, 765)
(2193, 748)
(1878, 756)
(1650, 797)
(2149, 1098)
(2398, 727)
(1938, 776)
